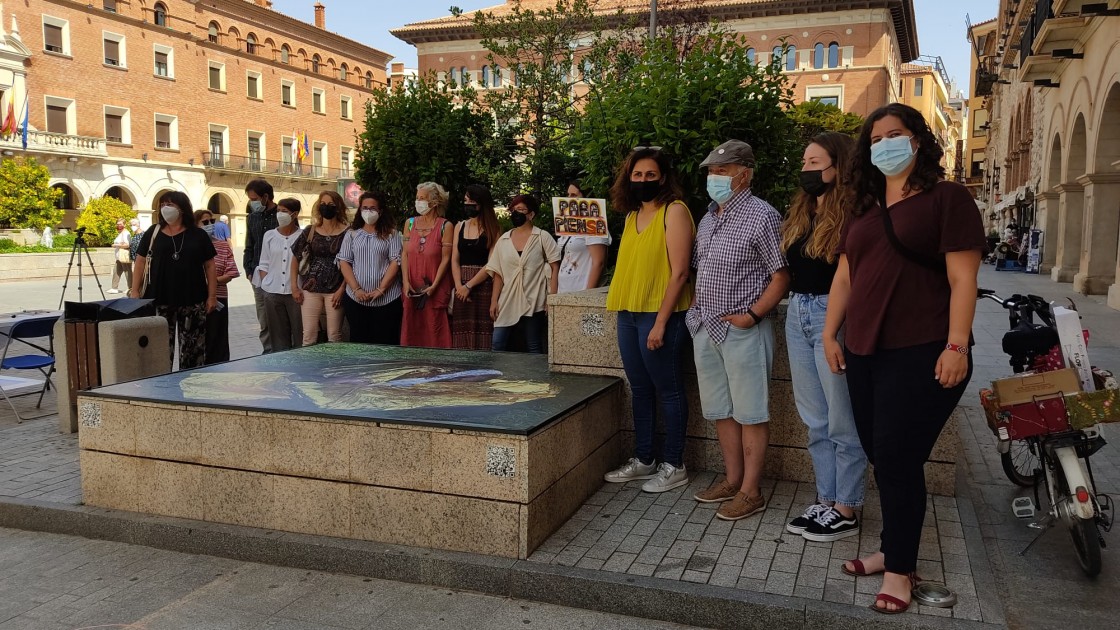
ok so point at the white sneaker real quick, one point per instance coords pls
(668, 477)
(633, 469)
(112, 291)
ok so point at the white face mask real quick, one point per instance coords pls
(170, 214)
(422, 207)
(370, 216)
(283, 219)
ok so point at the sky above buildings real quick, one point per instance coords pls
(941, 24)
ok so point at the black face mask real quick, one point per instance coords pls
(518, 219)
(645, 191)
(813, 184)
(328, 211)
(471, 209)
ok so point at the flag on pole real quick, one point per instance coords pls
(26, 112)
(306, 148)
(9, 126)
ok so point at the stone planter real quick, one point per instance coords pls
(54, 265)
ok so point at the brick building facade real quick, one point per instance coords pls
(132, 97)
(846, 53)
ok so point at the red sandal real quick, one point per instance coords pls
(858, 569)
(891, 599)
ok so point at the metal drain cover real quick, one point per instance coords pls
(933, 594)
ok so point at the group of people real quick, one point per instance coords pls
(878, 256)
(428, 283)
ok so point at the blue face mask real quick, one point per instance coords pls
(255, 205)
(892, 155)
(719, 188)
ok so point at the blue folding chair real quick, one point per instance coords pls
(22, 332)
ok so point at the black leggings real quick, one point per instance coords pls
(900, 409)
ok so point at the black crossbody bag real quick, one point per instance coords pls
(929, 262)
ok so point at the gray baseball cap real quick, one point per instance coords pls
(730, 152)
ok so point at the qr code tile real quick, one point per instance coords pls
(89, 413)
(501, 461)
(591, 324)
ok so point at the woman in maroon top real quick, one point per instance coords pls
(906, 287)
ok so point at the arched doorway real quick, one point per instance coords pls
(1048, 206)
(69, 202)
(1102, 193)
(156, 197)
(121, 194)
(1072, 201)
(219, 203)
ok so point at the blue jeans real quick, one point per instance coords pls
(531, 328)
(822, 400)
(655, 373)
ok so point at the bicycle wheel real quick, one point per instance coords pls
(1087, 542)
(1020, 463)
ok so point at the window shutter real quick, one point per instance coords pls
(52, 36)
(113, 128)
(112, 52)
(848, 54)
(215, 78)
(163, 134)
(56, 119)
(161, 58)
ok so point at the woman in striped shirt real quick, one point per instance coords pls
(370, 261)
(225, 268)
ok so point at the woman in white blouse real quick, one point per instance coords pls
(525, 265)
(273, 275)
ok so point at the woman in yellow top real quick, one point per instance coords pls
(651, 292)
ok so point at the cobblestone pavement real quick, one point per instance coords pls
(972, 543)
(55, 582)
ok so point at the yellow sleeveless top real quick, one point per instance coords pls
(642, 271)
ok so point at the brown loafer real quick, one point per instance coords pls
(741, 507)
(718, 493)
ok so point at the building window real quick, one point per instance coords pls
(344, 162)
(496, 78)
(485, 82)
(919, 85)
(255, 151)
(217, 76)
(369, 80)
(287, 93)
(344, 108)
(113, 46)
(117, 125)
(167, 132)
(791, 58)
(61, 117)
(212, 33)
(979, 123)
(253, 85)
(344, 73)
(453, 77)
(164, 61)
(287, 153)
(316, 64)
(110, 6)
(251, 44)
(751, 55)
(160, 11)
(827, 94)
(827, 100)
(465, 75)
(818, 56)
(317, 101)
(318, 157)
(834, 55)
(217, 145)
(285, 54)
(56, 35)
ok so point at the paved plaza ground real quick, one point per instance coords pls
(971, 542)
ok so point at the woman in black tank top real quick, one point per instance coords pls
(471, 326)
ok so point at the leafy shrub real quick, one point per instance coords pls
(99, 218)
(26, 197)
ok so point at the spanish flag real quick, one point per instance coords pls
(9, 126)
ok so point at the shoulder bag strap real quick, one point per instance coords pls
(929, 262)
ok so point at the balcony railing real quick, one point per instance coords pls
(56, 143)
(253, 164)
(1043, 10)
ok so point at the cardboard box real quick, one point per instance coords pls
(1038, 417)
(1074, 351)
(1028, 387)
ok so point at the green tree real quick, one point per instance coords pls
(27, 200)
(540, 103)
(423, 133)
(813, 117)
(99, 218)
(688, 103)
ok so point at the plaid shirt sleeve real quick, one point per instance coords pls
(769, 241)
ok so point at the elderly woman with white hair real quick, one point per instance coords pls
(425, 270)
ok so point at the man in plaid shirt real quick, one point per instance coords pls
(741, 275)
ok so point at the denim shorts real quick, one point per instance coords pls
(734, 376)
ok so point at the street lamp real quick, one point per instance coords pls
(652, 19)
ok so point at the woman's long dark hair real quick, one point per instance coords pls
(486, 217)
(866, 183)
(622, 200)
(385, 219)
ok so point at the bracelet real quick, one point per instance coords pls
(754, 316)
(955, 348)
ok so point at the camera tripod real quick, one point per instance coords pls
(76, 252)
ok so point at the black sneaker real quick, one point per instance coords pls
(798, 525)
(831, 525)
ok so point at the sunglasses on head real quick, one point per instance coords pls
(649, 148)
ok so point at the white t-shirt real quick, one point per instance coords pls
(575, 266)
